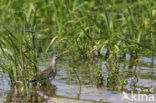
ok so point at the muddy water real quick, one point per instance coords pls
(139, 86)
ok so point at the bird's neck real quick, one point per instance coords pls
(54, 64)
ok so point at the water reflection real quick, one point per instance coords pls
(39, 93)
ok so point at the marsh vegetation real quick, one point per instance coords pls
(103, 43)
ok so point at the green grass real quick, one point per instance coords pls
(74, 28)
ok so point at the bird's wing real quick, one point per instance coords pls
(44, 74)
(47, 72)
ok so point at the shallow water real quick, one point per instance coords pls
(67, 89)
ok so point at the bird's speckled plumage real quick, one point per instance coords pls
(50, 72)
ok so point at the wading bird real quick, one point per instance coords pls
(50, 72)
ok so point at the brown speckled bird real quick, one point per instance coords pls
(50, 72)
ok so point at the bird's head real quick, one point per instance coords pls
(56, 57)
